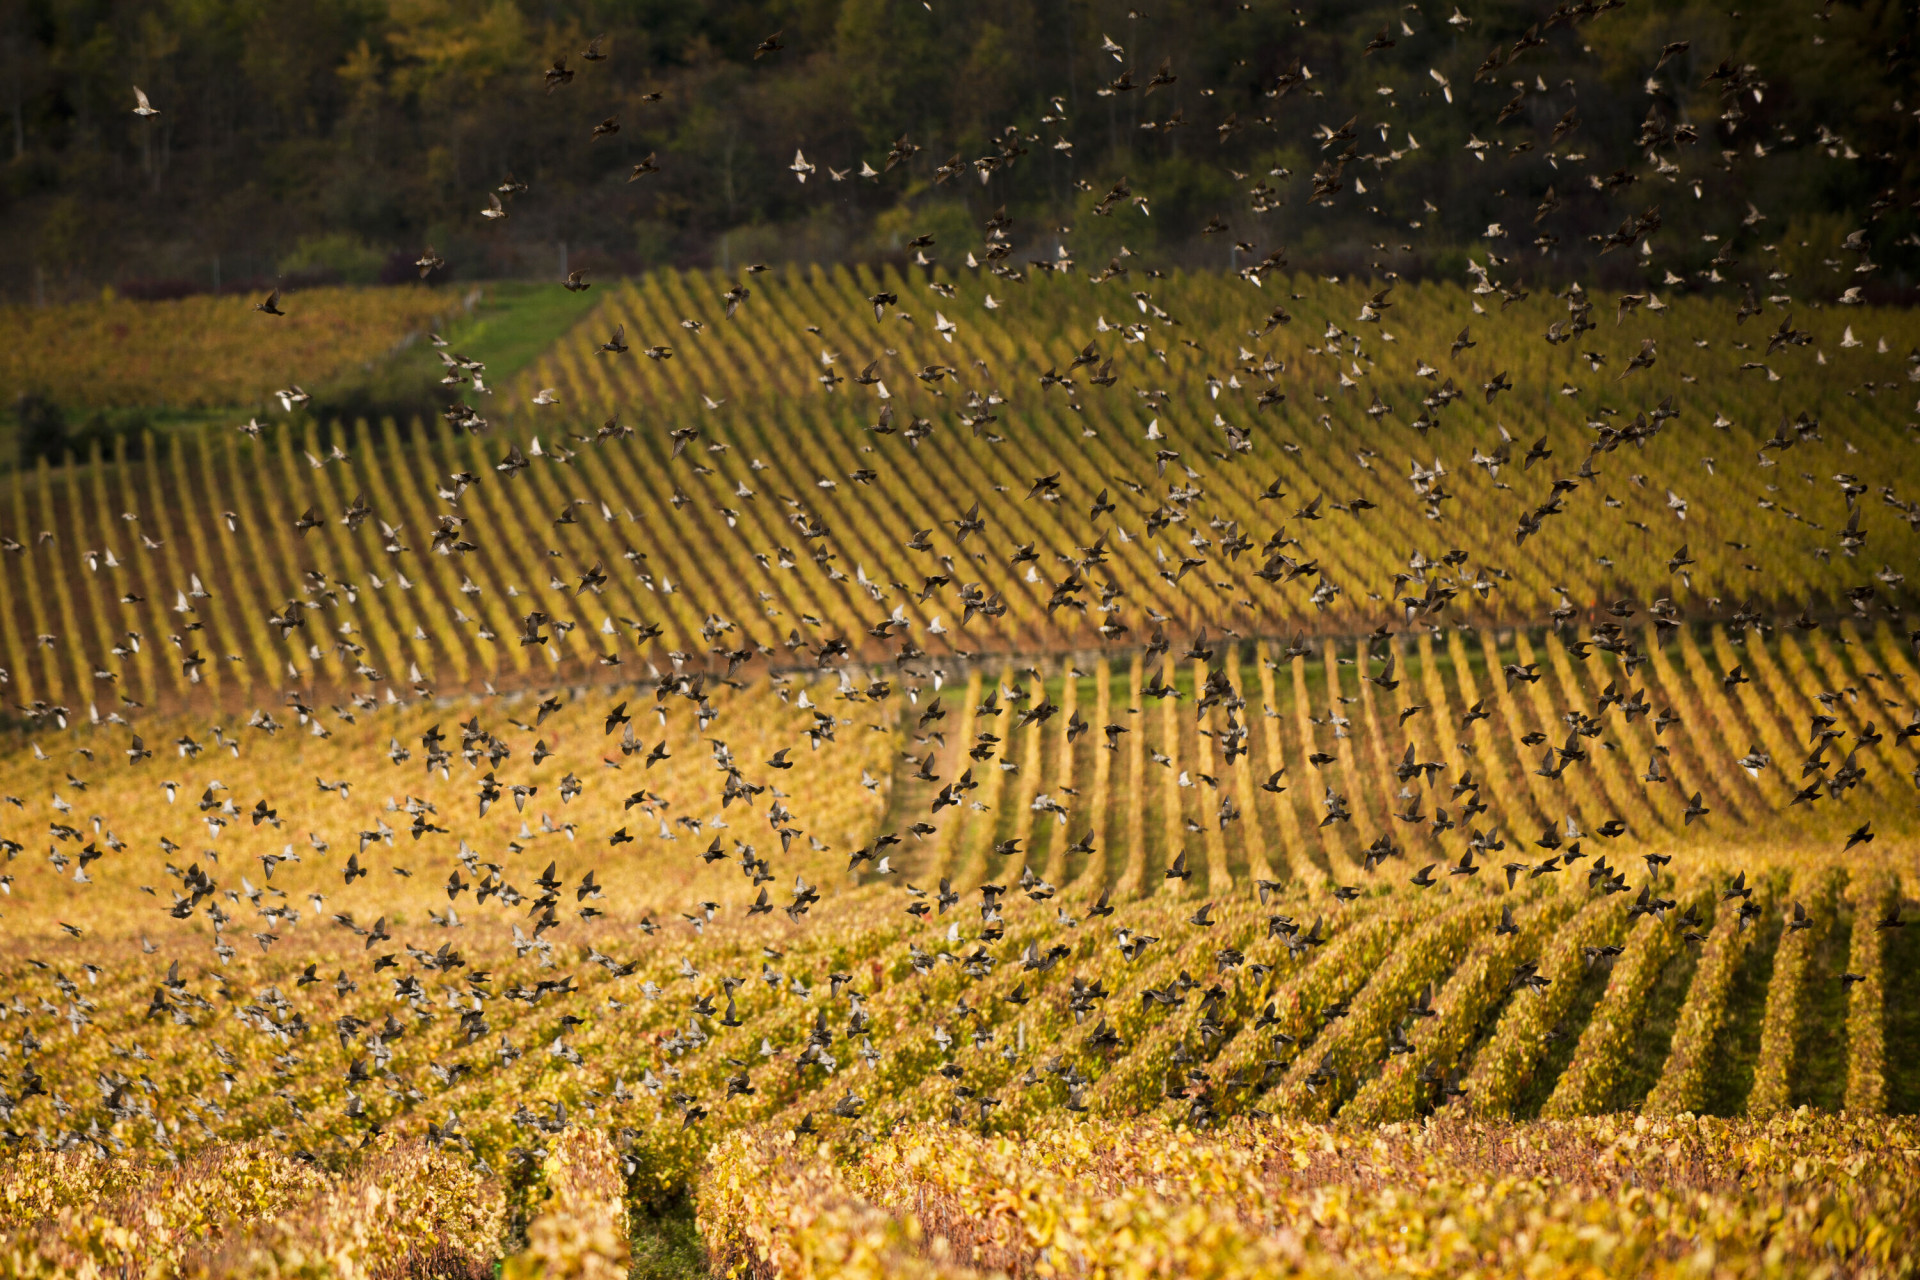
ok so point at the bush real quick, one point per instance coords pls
(40, 429)
(168, 289)
(337, 255)
(399, 390)
(106, 430)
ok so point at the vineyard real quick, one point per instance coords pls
(539, 1083)
(881, 767)
(1168, 688)
(204, 352)
(782, 521)
(1291, 1197)
(1119, 808)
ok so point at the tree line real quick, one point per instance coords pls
(335, 139)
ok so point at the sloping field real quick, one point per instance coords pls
(427, 849)
(566, 923)
(780, 513)
(206, 351)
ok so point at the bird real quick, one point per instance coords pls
(141, 107)
(742, 578)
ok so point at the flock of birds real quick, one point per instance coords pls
(1561, 850)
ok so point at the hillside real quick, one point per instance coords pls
(958, 642)
(1130, 734)
(777, 523)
